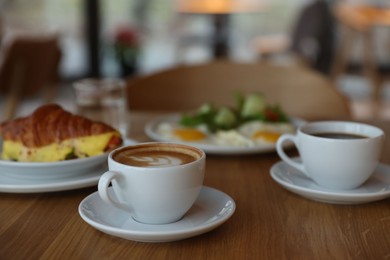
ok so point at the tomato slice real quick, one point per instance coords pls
(271, 115)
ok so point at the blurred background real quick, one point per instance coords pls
(128, 38)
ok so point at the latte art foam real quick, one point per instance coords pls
(157, 161)
(156, 155)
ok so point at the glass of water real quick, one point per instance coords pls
(103, 100)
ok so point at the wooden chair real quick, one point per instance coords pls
(28, 65)
(310, 42)
(358, 22)
(300, 91)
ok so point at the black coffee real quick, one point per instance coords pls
(339, 135)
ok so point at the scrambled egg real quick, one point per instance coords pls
(265, 132)
(78, 147)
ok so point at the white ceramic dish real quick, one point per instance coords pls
(151, 131)
(11, 184)
(53, 170)
(211, 209)
(49, 170)
(376, 188)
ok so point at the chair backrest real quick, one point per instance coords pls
(28, 64)
(34, 61)
(299, 91)
(313, 35)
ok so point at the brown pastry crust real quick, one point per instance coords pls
(50, 124)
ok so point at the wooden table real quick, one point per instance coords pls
(269, 222)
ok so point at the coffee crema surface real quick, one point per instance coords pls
(156, 156)
(339, 135)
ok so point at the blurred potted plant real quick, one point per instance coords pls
(127, 48)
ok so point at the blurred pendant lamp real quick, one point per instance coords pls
(220, 11)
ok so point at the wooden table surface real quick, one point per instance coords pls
(269, 222)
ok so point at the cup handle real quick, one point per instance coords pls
(284, 156)
(104, 182)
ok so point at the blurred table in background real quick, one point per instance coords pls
(358, 23)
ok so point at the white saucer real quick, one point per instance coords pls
(12, 184)
(211, 209)
(375, 188)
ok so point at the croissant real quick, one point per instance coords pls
(52, 134)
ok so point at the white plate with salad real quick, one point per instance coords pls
(251, 127)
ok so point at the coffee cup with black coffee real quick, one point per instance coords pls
(338, 155)
(157, 182)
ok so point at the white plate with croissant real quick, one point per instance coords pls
(28, 177)
(32, 177)
(53, 143)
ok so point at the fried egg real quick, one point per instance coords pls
(247, 135)
(178, 133)
(261, 132)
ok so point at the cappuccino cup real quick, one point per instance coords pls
(337, 155)
(157, 183)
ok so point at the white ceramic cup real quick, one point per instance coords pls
(335, 163)
(160, 189)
